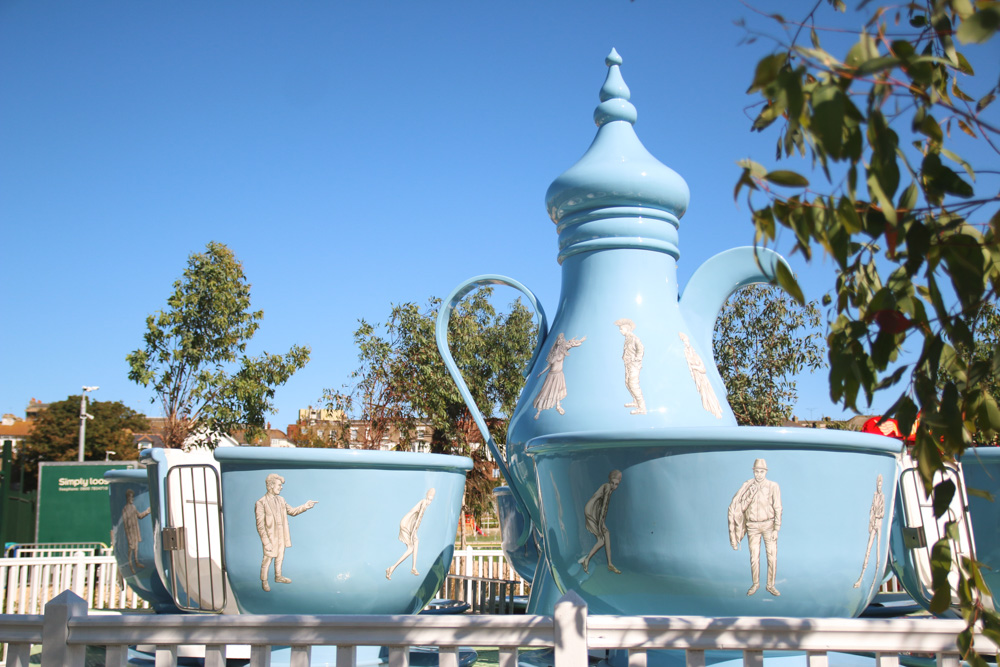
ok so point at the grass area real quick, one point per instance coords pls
(486, 656)
(488, 539)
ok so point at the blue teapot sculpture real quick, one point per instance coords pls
(617, 212)
(623, 450)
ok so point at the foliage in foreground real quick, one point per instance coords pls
(194, 354)
(912, 233)
(763, 339)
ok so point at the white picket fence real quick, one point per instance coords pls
(66, 629)
(27, 583)
(489, 564)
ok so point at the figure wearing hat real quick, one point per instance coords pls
(756, 512)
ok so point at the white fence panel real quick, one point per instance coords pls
(67, 629)
(28, 583)
(489, 564)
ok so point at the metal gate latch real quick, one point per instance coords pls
(174, 539)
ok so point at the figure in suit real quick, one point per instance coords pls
(272, 526)
(130, 523)
(632, 356)
(756, 512)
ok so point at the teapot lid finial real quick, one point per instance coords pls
(614, 95)
(617, 195)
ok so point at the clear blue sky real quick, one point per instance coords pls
(353, 155)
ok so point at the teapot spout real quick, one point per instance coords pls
(706, 293)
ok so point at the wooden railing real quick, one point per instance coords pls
(66, 629)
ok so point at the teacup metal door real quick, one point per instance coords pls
(193, 538)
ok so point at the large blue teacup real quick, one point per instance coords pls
(981, 467)
(718, 521)
(338, 531)
(132, 529)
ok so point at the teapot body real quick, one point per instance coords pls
(617, 356)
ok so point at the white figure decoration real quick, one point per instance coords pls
(554, 388)
(875, 516)
(632, 356)
(130, 522)
(271, 511)
(408, 527)
(700, 376)
(596, 512)
(756, 512)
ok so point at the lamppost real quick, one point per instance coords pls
(83, 420)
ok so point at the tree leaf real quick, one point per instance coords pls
(865, 49)
(788, 283)
(787, 178)
(963, 8)
(943, 494)
(965, 165)
(879, 64)
(829, 106)
(767, 70)
(756, 169)
(979, 28)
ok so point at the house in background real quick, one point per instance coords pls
(154, 437)
(331, 428)
(15, 430)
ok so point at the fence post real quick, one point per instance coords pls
(79, 572)
(570, 620)
(55, 631)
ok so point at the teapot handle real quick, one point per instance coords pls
(706, 292)
(441, 336)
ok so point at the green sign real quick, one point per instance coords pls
(73, 502)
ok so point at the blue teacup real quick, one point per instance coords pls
(718, 521)
(338, 531)
(981, 467)
(132, 529)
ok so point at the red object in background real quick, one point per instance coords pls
(888, 428)
(891, 321)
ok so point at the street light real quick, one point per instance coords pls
(83, 420)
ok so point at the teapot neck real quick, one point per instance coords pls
(615, 277)
(618, 228)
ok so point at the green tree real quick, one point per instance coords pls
(402, 378)
(986, 339)
(195, 359)
(762, 340)
(376, 396)
(301, 434)
(55, 435)
(914, 244)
